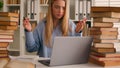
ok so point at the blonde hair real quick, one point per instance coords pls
(49, 24)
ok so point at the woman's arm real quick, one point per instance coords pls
(34, 39)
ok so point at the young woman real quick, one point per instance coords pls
(56, 23)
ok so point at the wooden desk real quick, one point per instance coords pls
(39, 65)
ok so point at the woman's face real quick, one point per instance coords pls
(58, 9)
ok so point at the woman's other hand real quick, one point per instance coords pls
(80, 25)
(27, 25)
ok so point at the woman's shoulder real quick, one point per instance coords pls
(42, 22)
(71, 22)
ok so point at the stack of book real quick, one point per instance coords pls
(105, 34)
(8, 24)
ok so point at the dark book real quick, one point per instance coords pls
(103, 45)
(8, 27)
(13, 19)
(103, 24)
(9, 14)
(4, 44)
(104, 63)
(106, 40)
(105, 19)
(100, 58)
(104, 9)
(6, 23)
(106, 54)
(103, 50)
(103, 29)
(106, 14)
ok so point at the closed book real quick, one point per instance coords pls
(9, 14)
(105, 36)
(104, 63)
(4, 44)
(100, 58)
(104, 9)
(109, 54)
(6, 32)
(105, 19)
(116, 25)
(103, 24)
(6, 36)
(115, 33)
(13, 19)
(3, 51)
(103, 50)
(3, 48)
(103, 45)
(3, 55)
(106, 14)
(106, 40)
(103, 29)
(6, 40)
(8, 23)
(8, 27)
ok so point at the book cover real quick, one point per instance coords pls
(6, 40)
(100, 58)
(104, 9)
(103, 50)
(13, 19)
(3, 51)
(105, 63)
(104, 36)
(105, 19)
(106, 14)
(6, 23)
(4, 44)
(6, 32)
(3, 55)
(6, 36)
(106, 54)
(108, 33)
(103, 45)
(9, 14)
(106, 40)
(3, 48)
(103, 29)
(8, 27)
(103, 24)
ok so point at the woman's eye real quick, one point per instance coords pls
(57, 7)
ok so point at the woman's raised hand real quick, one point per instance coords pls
(27, 25)
(80, 25)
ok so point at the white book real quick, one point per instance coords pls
(117, 25)
(117, 46)
(6, 40)
(119, 36)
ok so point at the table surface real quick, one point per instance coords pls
(39, 65)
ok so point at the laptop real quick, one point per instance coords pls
(69, 51)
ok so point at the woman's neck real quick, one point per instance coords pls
(55, 23)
